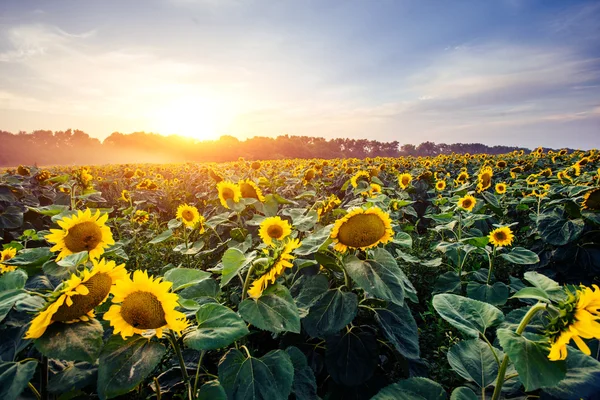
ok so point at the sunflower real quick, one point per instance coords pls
(125, 196)
(81, 232)
(579, 318)
(189, 215)
(309, 175)
(404, 180)
(250, 190)
(140, 217)
(501, 188)
(484, 179)
(362, 229)
(280, 263)
(467, 202)
(228, 191)
(502, 236)
(6, 255)
(440, 185)
(591, 200)
(358, 177)
(145, 306)
(274, 228)
(77, 297)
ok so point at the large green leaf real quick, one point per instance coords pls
(463, 393)
(531, 360)
(412, 389)
(314, 241)
(212, 390)
(307, 290)
(351, 357)
(551, 289)
(274, 311)
(233, 261)
(400, 328)
(11, 217)
(185, 277)
(248, 378)
(448, 282)
(521, 256)
(124, 364)
(381, 280)
(162, 237)
(13, 280)
(218, 327)
(14, 377)
(495, 294)
(582, 380)
(8, 298)
(305, 384)
(555, 229)
(334, 310)
(470, 316)
(474, 361)
(30, 259)
(76, 376)
(80, 341)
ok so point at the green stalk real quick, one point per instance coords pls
(184, 374)
(502, 371)
(202, 353)
(491, 263)
(247, 281)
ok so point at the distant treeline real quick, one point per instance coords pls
(44, 147)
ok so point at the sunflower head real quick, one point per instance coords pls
(440, 185)
(81, 232)
(501, 188)
(362, 229)
(404, 180)
(484, 179)
(228, 191)
(144, 306)
(502, 236)
(360, 176)
(274, 228)
(125, 196)
(281, 260)
(250, 190)
(591, 200)
(6, 255)
(189, 215)
(467, 202)
(77, 297)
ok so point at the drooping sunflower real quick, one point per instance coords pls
(144, 306)
(77, 297)
(187, 214)
(404, 180)
(502, 236)
(467, 202)
(250, 190)
(591, 200)
(579, 318)
(6, 255)
(484, 179)
(309, 175)
(280, 263)
(360, 175)
(274, 228)
(228, 191)
(362, 229)
(125, 196)
(501, 188)
(81, 232)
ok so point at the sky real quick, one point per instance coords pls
(503, 72)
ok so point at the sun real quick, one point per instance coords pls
(193, 117)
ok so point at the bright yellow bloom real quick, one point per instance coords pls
(250, 190)
(502, 236)
(280, 264)
(228, 191)
(484, 179)
(6, 255)
(189, 215)
(467, 202)
(440, 185)
(501, 188)
(404, 180)
(144, 306)
(77, 297)
(362, 229)
(274, 228)
(81, 232)
(360, 175)
(591, 200)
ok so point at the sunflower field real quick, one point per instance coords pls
(458, 276)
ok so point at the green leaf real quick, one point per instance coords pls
(205, 288)
(470, 316)
(532, 293)
(11, 218)
(582, 380)
(73, 260)
(491, 199)
(274, 311)
(555, 229)
(75, 377)
(313, 242)
(305, 384)
(185, 277)
(30, 258)
(521, 256)
(495, 294)
(474, 361)
(218, 327)
(412, 389)
(234, 261)
(448, 282)
(379, 280)
(267, 378)
(333, 311)
(8, 299)
(162, 237)
(124, 364)
(531, 360)
(551, 288)
(14, 377)
(351, 357)
(400, 328)
(13, 280)
(50, 210)
(403, 239)
(463, 393)
(80, 341)
(212, 390)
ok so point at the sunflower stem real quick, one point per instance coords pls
(34, 390)
(491, 262)
(157, 385)
(184, 374)
(502, 371)
(247, 281)
(202, 353)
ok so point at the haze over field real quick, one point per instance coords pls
(512, 72)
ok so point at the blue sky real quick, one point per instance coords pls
(514, 72)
